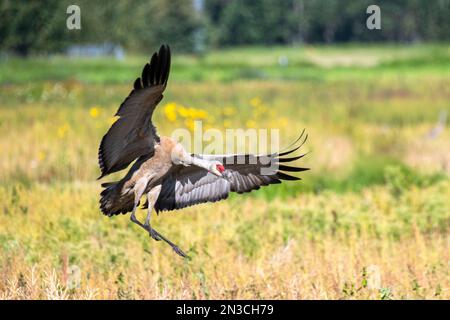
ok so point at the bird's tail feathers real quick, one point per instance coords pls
(113, 201)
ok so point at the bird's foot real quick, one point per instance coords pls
(152, 232)
(180, 252)
(157, 236)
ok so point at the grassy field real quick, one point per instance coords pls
(371, 220)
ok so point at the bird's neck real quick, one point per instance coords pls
(180, 156)
(198, 162)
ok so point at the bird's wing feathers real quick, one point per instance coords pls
(190, 186)
(133, 134)
(187, 186)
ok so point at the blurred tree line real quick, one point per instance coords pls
(190, 25)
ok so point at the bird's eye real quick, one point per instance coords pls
(220, 168)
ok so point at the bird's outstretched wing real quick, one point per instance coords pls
(133, 134)
(188, 186)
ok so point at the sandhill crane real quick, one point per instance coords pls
(439, 127)
(164, 171)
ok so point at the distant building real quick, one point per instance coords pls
(96, 50)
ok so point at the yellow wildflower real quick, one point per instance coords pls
(62, 130)
(192, 113)
(283, 122)
(94, 112)
(199, 114)
(250, 124)
(41, 155)
(170, 111)
(183, 112)
(254, 102)
(189, 124)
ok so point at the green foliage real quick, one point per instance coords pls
(32, 27)
(287, 21)
(40, 27)
(372, 63)
(400, 177)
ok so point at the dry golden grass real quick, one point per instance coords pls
(55, 245)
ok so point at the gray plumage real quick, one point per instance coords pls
(188, 186)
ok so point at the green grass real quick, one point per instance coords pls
(305, 63)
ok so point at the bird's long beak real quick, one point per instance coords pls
(217, 173)
(218, 170)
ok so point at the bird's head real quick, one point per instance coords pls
(217, 168)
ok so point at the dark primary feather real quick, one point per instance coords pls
(133, 134)
(187, 186)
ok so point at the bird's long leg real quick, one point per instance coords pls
(161, 237)
(139, 189)
(152, 196)
(170, 243)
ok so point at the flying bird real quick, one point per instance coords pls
(170, 177)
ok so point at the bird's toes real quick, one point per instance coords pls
(154, 235)
(180, 252)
